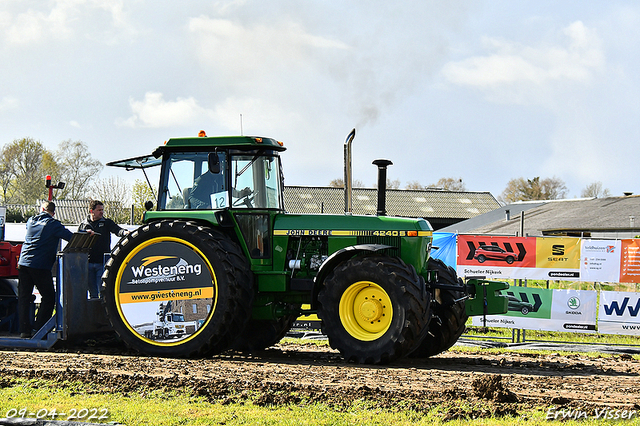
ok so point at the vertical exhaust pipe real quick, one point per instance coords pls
(348, 178)
(382, 185)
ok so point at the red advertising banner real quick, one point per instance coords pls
(630, 261)
(494, 257)
(486, 250)
(548, 258)
(556, 258)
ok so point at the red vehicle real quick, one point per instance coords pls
(490, 252)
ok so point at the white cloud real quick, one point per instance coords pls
(7, 103)
(155, 112)
(520, 71)
(253, 51)
(74, 123)
(60, 20)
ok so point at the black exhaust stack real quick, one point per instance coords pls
(382, 185)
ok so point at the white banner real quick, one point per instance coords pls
(574, 310)
(600, 260)
(549, 310)
(619, 313)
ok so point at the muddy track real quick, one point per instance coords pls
(493, 384)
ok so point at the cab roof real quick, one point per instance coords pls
(225, 141)
(201, 142)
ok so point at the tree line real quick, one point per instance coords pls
(447, 184)
(25, 163)
(518, 189)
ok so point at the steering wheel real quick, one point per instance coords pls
(246, 200)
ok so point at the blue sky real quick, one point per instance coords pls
(485, 91)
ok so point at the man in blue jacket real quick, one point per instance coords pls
(34, 266)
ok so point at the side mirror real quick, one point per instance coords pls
(214, 163)
(148, 205)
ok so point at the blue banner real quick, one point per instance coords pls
(446, 242)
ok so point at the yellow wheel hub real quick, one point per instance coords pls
(365, 310)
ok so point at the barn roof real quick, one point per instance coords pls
(437, 206)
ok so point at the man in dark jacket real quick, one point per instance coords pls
(34, 266)
(96, 222)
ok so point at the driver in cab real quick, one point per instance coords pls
(207, 185)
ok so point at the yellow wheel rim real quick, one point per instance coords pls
(365, 310)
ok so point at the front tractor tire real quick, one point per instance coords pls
(374, 309)
(449, 313)
(183, 267)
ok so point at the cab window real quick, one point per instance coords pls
(255, 182)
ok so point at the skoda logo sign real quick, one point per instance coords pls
(573, 303)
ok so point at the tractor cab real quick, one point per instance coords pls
(202, 173)
(231, 182)
(219, 180)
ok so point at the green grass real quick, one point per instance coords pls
(179, 408)
(505, 335)
(304, 342)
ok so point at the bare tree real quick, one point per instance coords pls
(595, 190)
(7, 173)
(393, 184)
(142, 193)
(521, 189)
(415, 185)
(449, 184)
(114, 192)
(339, 183)
(76, 168)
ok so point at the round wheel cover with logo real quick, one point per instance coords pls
(177, 289)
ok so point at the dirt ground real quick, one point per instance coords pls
(490, 384)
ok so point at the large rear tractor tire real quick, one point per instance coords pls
(181, 267)
(374, 309)
(449, 314)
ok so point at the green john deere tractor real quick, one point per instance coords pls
(222, 249)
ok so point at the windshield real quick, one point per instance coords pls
(190, 185)
(255, 181)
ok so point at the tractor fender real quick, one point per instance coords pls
(343, 254)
